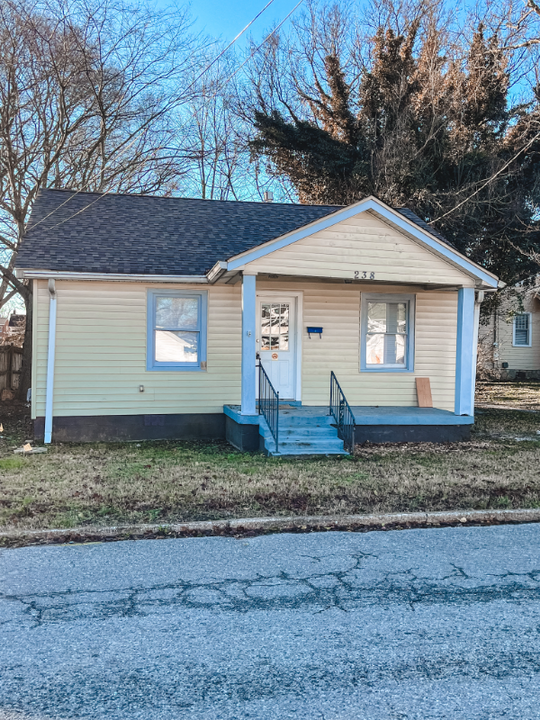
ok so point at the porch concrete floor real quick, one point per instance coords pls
(374, 415)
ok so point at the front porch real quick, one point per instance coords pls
(312, 430)
(302, 337)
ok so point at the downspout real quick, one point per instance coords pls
(479, 299)
(50, 362)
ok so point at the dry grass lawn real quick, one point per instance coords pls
(525, 395)
(104, 484)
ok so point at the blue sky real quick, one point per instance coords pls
(225, 18)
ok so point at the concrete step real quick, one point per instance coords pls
(323, 443)
(305, 443)
(303, 435)
(304, 451)
(306, 440)
(313, 431)
(323, 421)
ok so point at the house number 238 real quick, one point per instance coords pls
(364, 275)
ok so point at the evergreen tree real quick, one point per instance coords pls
(420, 129)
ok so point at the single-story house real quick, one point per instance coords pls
(509, 337)
(158, 317)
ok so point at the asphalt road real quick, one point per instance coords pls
(333, 626)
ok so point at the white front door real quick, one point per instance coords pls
(276, 342)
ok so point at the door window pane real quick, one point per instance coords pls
(275, 326)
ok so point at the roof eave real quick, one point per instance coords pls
(39, 274)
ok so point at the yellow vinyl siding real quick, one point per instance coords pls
(363, 243)
(337, 309)
(101, 353)
(101, 350)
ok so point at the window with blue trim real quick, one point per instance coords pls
(176, 330)
(387, 333)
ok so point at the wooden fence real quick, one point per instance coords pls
(10, 366)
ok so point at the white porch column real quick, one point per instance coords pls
(465, 352)
(249, 350)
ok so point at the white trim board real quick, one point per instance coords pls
(385, 213)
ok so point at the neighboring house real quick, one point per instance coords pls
(149, 314)
(509, 338)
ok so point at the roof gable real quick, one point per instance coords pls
(451, 264)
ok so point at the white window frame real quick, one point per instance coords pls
(529, 333)
(151, 363)
(365, 299)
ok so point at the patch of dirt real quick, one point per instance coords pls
(18, 427)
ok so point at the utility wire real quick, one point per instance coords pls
(488, 181)
(274, 31)
(206, 69)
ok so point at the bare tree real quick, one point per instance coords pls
(87, 90)
(210, 137)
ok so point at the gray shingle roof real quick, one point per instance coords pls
(146, 235)
(413, 217)
(150, 235)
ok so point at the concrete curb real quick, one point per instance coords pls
(249, 527)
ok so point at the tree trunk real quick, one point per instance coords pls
(25, 378)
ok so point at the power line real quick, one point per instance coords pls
(192, 84)
(230, 44)
(274, 31)
(488, 181)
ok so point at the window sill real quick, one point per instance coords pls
(385, 369)
(176, 369)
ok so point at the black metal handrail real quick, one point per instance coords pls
(343, 415)
(269, 403)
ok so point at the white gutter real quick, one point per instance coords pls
(22, 273)
(50, 362)
(217, 271)
(478, 300)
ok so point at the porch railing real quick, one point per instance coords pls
(269, 403)
(343, 415)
